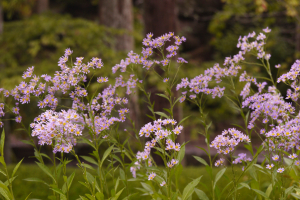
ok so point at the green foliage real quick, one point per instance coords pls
(41, 40)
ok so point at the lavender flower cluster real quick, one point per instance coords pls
(160, 135)
(70, 81)
(61, 127)
(150, 45)
(228, 140)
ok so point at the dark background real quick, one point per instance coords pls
(36, 33)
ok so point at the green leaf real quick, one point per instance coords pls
(224, 188)
(203, 150)
(288, 190)
(28, 196)
(218, 176)
(209, 171)
(46, 170)
(83, 198)
(27, 142)
(9, 181)
(4, 193)
(201, 160)
(2, 172)
(16, 168)
(288, 161)
(189, 189)
(117, 184)
(118, 194)
(70, 179)
(2, 142)
(151, 117)
(269, 190)
(201, 194)
(181, 153)
(295, 195)
(253, 174)
(35, 180)
(238, 126)
(245, 185)
(89, 159)
(106, 153)
(208, 126)
(58, 191)
(84, 140)
(249, 147)
(147, 187)
(99, 196)
(162, 95)
(122, 174)
(87, 166)
(46, 156)
(90, 178)
(168, 110)
(118, 159)
(261, 193)
(162, 114)
(183, 120)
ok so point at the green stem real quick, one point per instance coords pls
(9, 182)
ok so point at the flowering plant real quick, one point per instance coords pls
(72, 113)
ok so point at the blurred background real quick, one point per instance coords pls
(36, 33)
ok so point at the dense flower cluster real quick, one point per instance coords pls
(290, 78)
(270, 105)
(59, 127)
(285, 136)
(228, 140)
(161, 136)
(200, 84)
(242, 157)
(150, 44)
(71, 81)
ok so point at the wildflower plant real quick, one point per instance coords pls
(72, 113)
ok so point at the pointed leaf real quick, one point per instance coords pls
(4, 194)
(35, 180)
(16, 168)
(118, 194)
(58, 191)
(89, 159)
(183, 120)
(261, 193)
(2, 142)
(269, 190)
(218, 176)
(162, 114)
(201, 160)
(181, 153)
(70, 179)
(189, 189)
(106, 153)
(201, 194)
(46, 170)
(245, 185)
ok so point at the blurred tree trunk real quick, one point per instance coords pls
(297, 39)
(159, 18)
(7, 126)
(1, 18)
(42, 6)
(118, 14)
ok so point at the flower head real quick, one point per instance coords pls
(280, 170)
(151, 176)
